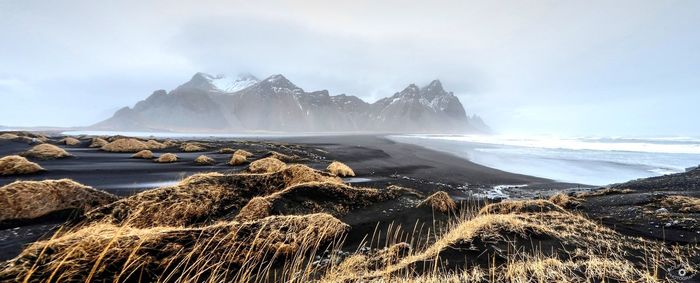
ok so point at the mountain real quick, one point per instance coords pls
(219, 103)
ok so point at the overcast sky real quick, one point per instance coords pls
(527, 67)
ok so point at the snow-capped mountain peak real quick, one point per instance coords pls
(228, 85)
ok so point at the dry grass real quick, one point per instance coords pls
(521, 206)
(193, 147)
(8, 136)
(170, 143)
(227, 150)
(166, 158)
(681, 203)
(70, 141)
(98, 142)
(222, 252)
(153, 144)
(144, 154)
(47, 151)
(202, 198)
(340, 169)
(313, 197)
(522, 245)
(282, 157)
(237, 159)
(266, 165)
(32, 199)
(243, 153)
(565, 201)
(15, 164)
(439, 201)
(204, 160)
(125, 145)
(604, 192)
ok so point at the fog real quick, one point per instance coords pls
(616, 68)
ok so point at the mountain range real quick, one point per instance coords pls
(245, 103)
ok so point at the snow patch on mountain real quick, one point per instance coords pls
(227, 84)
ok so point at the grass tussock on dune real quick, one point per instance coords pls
(237, 159)
(47, 151)
(339, 169)
(222, 252)
(125, 145)
(8, 136)
(521, 206)
(98, 142)
(144, 154)
(333, 197)
(604, 192)
(565, 201)
(283, 157)
(201, 198)
(166, 158)
(226, 150)
(193, 147)
(32, 199)
(15, 165)
(684, 204)
(439, 201)
(70, 141)
(204, 160)
(243, 153)
(521, 244)
(266, 165)
(153, 145)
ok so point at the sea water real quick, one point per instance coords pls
(583, 160)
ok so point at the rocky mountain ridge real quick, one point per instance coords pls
(218, 103)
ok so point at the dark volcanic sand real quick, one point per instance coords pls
(378, 162)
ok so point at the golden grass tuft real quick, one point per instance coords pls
(339, 169)
(70, 141)
(202, 198)
(227, 150)
(439, 201)
(170, 143)
(313, 197)
(521, 206)
(282, 157)
(98, 142)
(104, 252)
(153, 144)
(257, 208)
(32, 199)
(204, 160)
(125, 145)
(8, 136)
(266, 165)
(243, 153)
(604, 192)
(47, 151)
(518, 247)
(144, 154)
(237, 159)
(565, 201)
(682, 203)
(193, 147)
(166, 158)
(15, 165)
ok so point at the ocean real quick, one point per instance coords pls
(583, 160)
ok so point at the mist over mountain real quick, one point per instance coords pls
(245, 103)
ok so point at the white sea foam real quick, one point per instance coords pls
(586, 160)
(654, 145)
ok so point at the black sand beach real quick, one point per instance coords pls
(377, 161)
(635, 209)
